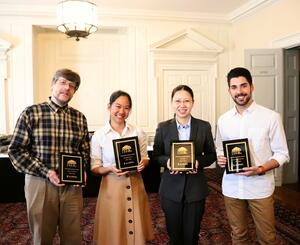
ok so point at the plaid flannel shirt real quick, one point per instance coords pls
(42, 132)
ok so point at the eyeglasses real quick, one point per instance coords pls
(184, 101)
(65, 82)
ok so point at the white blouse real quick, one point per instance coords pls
(102, 152)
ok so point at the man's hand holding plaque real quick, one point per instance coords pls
(127, 153)
(182, 156)
(237, 155)
(71, 169)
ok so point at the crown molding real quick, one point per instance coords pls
(286, 42)
(163, 15)
(32, 11)
(247, 9)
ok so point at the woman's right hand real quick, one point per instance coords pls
(117, 171)
(221, 161)
(169, 167)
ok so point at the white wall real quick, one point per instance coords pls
(140, 81)
(258, 30)
(20, 75)
(262, 28)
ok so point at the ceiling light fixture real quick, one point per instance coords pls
(76, 18)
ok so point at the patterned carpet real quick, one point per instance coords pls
(215, 229)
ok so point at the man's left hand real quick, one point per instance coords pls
(249, 171)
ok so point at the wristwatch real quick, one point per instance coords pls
(261, 170)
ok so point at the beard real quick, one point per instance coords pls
(247, 98)
(61, 102)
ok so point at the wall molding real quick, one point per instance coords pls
(247, 9)
(187, 42)
(185, 52)
(47, 10)
(4, 47)
(286, 42)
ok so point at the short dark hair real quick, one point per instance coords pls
(239, 72)
(115, 95)
(67, 74)
(182, 87)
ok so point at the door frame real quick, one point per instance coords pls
(288, 42)
(291, 115)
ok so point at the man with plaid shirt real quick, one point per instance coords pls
(42, 132)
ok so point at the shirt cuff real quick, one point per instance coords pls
(280, 159)
(219, 152)
(44, 171)
(95, 163)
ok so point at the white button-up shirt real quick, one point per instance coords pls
(102, 152)
(264, 130)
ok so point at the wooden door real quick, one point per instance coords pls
(201, 81)
(266, 67)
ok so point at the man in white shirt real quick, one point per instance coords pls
(253, 188)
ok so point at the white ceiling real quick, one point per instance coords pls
(222, 7)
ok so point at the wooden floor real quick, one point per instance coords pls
(289, 194)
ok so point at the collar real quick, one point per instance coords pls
(250, 109)
(188, 124)
(54, 107)
(108, 128)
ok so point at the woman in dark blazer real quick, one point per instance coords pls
(183, 194)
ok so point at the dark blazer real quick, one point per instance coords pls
(191, 186)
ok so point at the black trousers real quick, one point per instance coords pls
(183, 220)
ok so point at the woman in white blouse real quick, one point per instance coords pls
(122, 212)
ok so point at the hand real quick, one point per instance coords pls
(53, 178)
(249, 171)
(85, 178)
(117, 171)
(169, 167)
(222, 161)
(142, 165)
(194, 171)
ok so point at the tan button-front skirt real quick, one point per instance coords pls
(122, 212)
